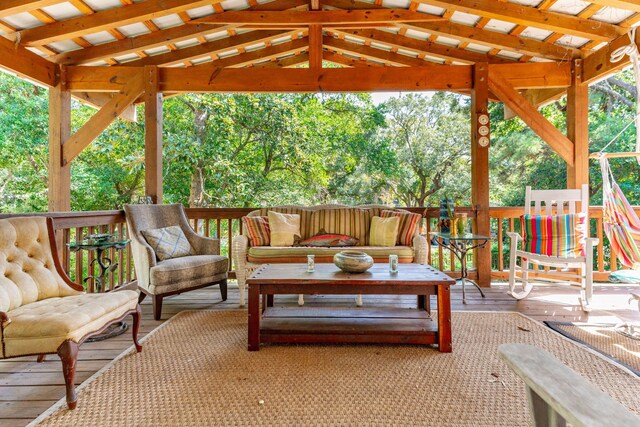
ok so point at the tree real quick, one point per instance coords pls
(430, 136)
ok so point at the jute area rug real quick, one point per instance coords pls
(603, 339)
(195, 370)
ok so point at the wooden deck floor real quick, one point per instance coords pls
(28, 388)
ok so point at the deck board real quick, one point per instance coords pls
(28, 388)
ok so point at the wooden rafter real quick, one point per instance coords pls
(13, 7)
(323, 17)
(339, 59)
(499, 85)
(290, 61)
(420, 46)
(27, 64)
(598, 65)
(367, 52)
(99, 121)
(104, 20)
(530, 16)
(268, 53)
(210, 48)
(633, 5)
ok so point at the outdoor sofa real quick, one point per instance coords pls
(339, 219)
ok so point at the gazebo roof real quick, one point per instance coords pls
(245, 33)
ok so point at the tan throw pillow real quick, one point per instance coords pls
(168, 242)
(384, 231)
(285, 228)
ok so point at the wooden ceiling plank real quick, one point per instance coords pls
(206, 49)
(324, 17)
(157, 39)
(432, 49)
(499, 85)
(530, 16)
(104, 20)
(13, 7)
(103, 118)
(27, 64)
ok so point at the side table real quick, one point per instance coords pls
(107, 266)
(460, 246)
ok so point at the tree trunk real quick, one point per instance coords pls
(196, 193)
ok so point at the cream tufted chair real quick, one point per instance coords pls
(41, 310)
(173, 276)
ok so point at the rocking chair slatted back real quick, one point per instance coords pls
(555, 202)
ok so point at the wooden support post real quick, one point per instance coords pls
(59, 132)
(578, 128)
(152, 135)
(480, 167)
(315, 40)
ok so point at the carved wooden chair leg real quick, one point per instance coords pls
(136, 326)
(223, 290)
(42, 358)
(68, 352)
(141, 297)
(157, 306)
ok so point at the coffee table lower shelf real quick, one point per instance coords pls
(374, 325)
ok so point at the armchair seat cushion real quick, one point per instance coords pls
(283, 254)
(187, 270)
(40, 327)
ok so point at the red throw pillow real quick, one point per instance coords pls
(257, 230)
(409, 223)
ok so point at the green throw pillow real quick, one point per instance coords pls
(168, 242)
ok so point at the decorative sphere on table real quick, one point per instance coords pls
(353, 261)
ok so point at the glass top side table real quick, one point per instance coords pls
(460, 245)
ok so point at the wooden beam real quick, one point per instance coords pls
(211, 79)
(156, 38)
(100, 79)
(321, 17)
(538, 98)
(13, 7)
(338, 59)
(367, 52)
(98, 99)
(209, 48)
(271, 52)
(598, 65)
(103, 118)
(495, 40)
(578, 128)
(59, 180)
(152, 135)
(536, 74)
(435, 50)
(290, 61)
(104, 20)
(315, 46)
(499, 85)
(633, 5)
(531, 16)
(27, 64)
(465, 33)
(480, 170)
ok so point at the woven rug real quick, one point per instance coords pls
(603, 339)
(195, 370)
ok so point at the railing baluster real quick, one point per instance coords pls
(90, 265)
(112, 256)
(218, 221)
(79, 257)
(229, 240)
(500, 246)
(427, 222)
(206, 227)
(599, 233)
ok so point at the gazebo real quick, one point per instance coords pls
(116, 54)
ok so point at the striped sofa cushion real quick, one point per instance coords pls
(257, 230)
(352, 222)
(409, 223)
(554, 235)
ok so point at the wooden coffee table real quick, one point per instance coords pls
(358, 325)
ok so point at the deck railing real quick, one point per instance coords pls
(225, 224)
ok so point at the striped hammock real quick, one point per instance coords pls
(621, 224)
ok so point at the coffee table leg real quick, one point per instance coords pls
(254, 318)
(444, 319)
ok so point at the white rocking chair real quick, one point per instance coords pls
(578, 271)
